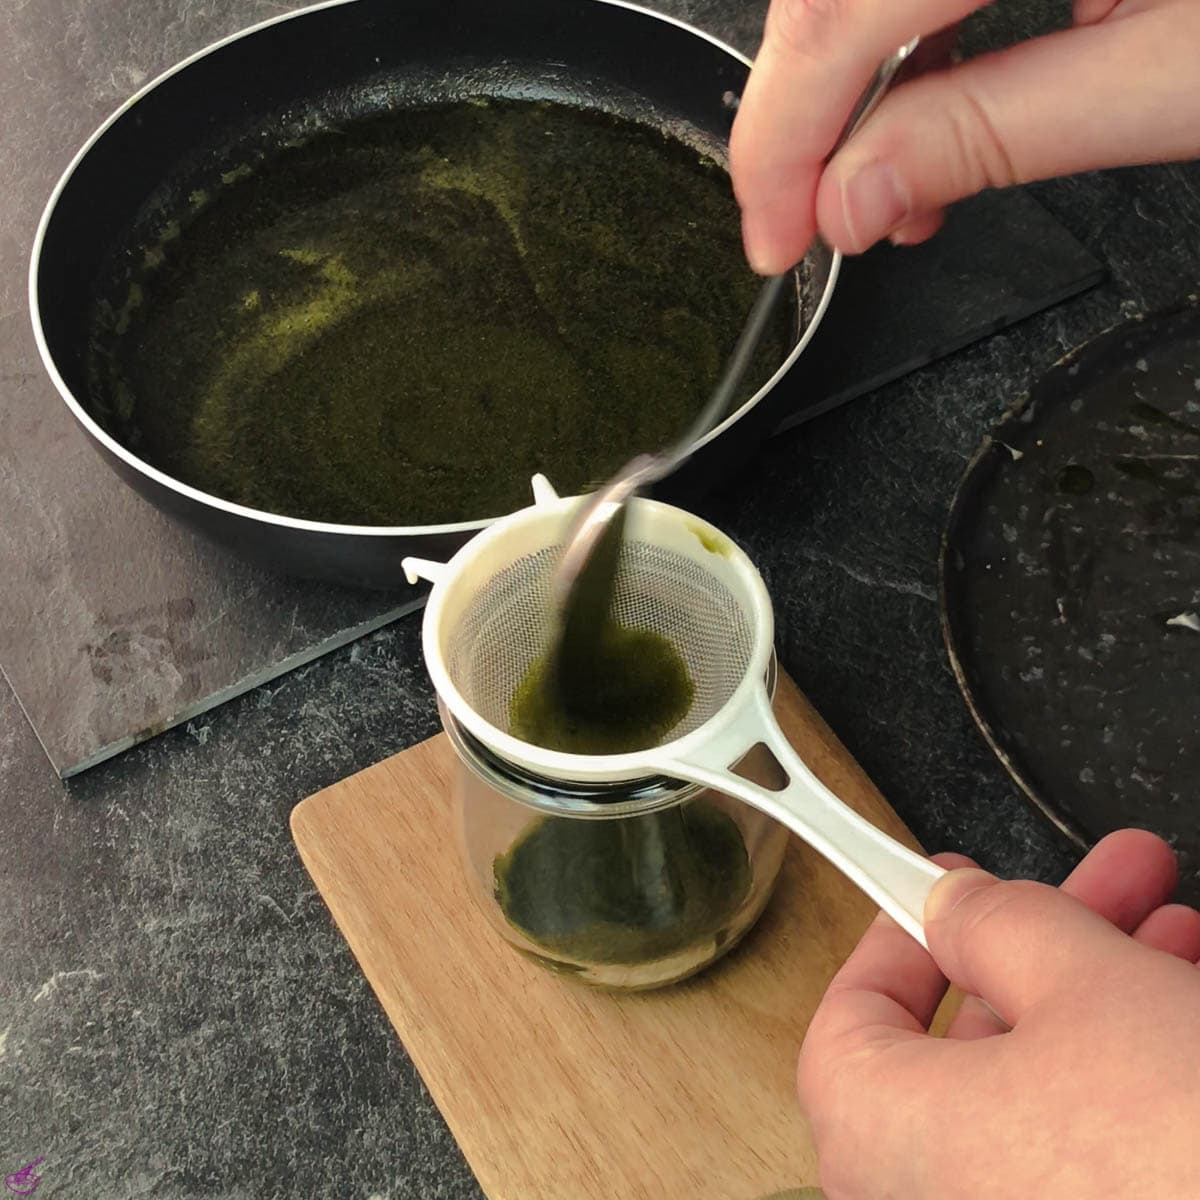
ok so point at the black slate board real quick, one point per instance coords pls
(1071, 586)
(999, 258)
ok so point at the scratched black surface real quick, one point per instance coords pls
(1072, 584)
(178, 1019)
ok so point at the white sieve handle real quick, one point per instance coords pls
(895, 877)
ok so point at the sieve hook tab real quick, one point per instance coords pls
(416, 569)
(543, 490)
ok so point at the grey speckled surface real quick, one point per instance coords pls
(178, 1018)
(156, 626)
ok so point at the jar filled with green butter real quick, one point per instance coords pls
(626, 886)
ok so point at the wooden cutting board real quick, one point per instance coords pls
(559, 1092)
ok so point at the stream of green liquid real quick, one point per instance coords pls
(638, 690)
(631, 890)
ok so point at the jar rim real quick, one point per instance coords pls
(560, 799)
(555, 797)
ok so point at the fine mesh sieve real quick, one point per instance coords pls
(504, 629)
(488, 618)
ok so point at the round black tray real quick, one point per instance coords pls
(1070, 587)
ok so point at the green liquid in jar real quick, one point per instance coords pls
(628, 891)
(632, 890)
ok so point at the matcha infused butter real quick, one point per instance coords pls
(636, 891)
(400, 320)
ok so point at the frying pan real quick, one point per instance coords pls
(336, 62)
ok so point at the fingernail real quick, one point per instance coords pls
(759, 242)
(874, 203)
(952, 889)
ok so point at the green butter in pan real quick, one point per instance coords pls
(398, 321)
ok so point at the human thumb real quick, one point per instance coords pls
(1097, 96)
(1012, 944)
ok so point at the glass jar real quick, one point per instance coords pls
(628, 886)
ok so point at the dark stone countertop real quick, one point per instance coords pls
(179, 1018)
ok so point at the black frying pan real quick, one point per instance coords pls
(339, 63)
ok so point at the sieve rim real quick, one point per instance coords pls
(610, 768)
(648, 794)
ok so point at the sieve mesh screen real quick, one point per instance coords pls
(506, 626)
